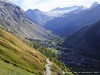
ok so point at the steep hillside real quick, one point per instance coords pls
(17, 56)
(72, 21)
(13, 18)
(87, 39)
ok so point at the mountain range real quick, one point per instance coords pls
(59, 20)
(72, 21)
(41, 18)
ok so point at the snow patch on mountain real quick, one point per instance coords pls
(58, 12)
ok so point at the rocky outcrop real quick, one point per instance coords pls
(13, 19)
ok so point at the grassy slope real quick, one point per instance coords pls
(9, 69)
(19, 55)
(17, 58)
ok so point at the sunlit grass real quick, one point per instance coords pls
(9, 69)
(18, 53)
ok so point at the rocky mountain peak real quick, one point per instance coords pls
(94, 4)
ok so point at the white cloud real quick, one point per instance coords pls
(46, 5)
(18, 2)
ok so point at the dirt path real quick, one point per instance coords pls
(48, 71)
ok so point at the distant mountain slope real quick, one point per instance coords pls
(37, 16)
(86, 40)
(72, 21)
(13, 18)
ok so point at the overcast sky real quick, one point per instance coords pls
(46, 5)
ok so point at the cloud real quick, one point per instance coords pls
(18, 2)
(39, 4)
(46, 5)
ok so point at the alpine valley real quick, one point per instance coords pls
(62, 41)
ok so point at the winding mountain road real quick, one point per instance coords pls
(48, 71)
